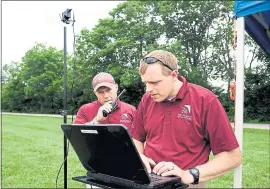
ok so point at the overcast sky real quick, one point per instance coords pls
(27, 22)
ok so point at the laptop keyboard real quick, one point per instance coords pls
(154, 177)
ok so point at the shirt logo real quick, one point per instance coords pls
(124, 116)
(185, 112)
(125, 119)
(188, 108)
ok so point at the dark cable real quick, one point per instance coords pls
(74, 67)
(56, 180)
(61, 166)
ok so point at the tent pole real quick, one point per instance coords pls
(239, 98)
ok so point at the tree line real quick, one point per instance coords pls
(200, 34)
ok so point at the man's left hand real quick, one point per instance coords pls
(170, 169)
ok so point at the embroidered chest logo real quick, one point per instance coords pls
(185, 112)
(125, 119)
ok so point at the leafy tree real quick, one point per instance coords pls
(117, 44)
(257, 90)
(36, 84)
(193, 23)
(12, 88)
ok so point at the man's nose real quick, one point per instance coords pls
(149, 88)
(106, 94)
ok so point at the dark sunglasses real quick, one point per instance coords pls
(152, 60)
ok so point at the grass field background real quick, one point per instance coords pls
(32, 153)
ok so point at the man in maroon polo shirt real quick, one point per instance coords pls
(178, 124)
(105, 90)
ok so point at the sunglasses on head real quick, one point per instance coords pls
(152, 60)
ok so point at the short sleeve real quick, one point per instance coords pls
(219, 131)
(81, 117)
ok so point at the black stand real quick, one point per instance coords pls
(65, 18)
(65, 105)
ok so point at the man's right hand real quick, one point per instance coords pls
(105, 107)
(148, 162)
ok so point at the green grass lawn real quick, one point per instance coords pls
(32, 153)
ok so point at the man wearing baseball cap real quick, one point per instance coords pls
(105, 90)
(178, 124)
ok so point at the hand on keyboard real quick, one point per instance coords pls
(148, 162)
(170, 169)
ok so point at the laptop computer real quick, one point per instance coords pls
(110, 157)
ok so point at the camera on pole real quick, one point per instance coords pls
(66, 15)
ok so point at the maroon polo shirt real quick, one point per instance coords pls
(123, 115)
(185, 129)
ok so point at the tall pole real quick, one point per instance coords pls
(65, 105)
(66, 15)
(239, 97)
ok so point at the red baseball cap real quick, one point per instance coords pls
(103, 79)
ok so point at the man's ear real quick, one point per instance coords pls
(116, 86)
(175, 74)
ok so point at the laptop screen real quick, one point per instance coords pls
(107, 149)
